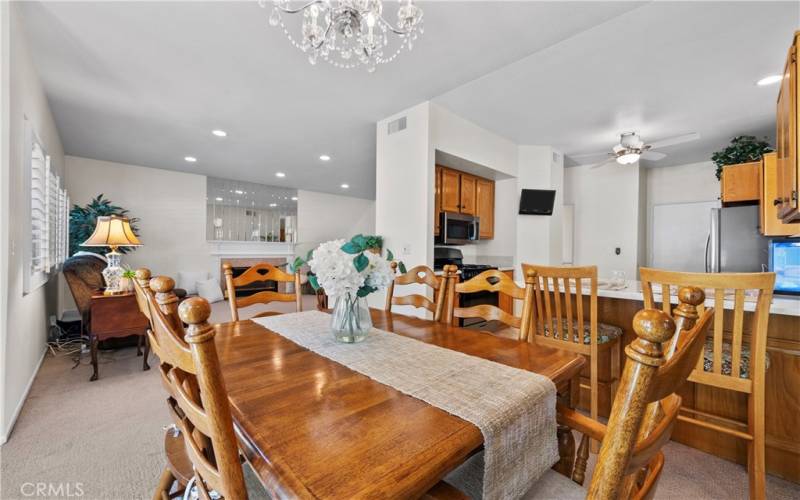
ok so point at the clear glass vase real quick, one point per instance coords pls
(350, 321)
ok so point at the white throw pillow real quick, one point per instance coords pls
(210, 290)
(188, 280)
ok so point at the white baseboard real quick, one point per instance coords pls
(7, 432)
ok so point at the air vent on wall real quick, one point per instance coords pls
(397, 125)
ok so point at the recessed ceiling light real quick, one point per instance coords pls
(280, 174)
(324, 157)
(345, 186)
(218, 198)
(190, 159)
(294, 198)
(769, 80)
(219, 133)
(273, 204)
(239, 191)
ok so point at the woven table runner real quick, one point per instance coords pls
(514, 409)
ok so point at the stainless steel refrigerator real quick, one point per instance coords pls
(734, 244)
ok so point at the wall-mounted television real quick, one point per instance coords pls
(784, 261)
(537, 201)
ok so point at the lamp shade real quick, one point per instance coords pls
(112, 231)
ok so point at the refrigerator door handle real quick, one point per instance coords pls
(708, 243)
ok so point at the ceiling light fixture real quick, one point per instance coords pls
(324, 157)
(239, 191)
(280, 174)
(345, 186)
(218, 198)
(294, 198)
(219, 133)
(769, 80)
(190, 159)
(273, 205)
(628, 158)
(349, 33)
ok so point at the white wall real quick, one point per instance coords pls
(607, 214)
(539, 239)
(5, 38)
(26, 321)
(322, 217)
(404, 192)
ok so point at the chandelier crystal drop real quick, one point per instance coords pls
(349, 33)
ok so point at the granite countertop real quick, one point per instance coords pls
(781, 304)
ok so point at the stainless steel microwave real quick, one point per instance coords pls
(457, 229)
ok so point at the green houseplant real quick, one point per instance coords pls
(83, 219)
(742, 149)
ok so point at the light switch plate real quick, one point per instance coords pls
(407, 249)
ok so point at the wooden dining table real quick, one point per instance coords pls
(312, 428)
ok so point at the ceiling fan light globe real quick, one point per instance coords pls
(628, 158)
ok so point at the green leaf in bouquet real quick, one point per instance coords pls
(312, 280)
(402, 267)
(360, 241)
(351, 248)
(365, 290)
(297, 264)
(389, 255)
(361, 262)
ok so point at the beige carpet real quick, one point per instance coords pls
(104, 439)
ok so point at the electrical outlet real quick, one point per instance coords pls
(407, 249)
(52, 320)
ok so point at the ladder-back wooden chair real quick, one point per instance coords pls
(564, 321)
(489, 281)
(732, 359)
(261, 272)
(198, 403)
(422, 275)
(643, 414)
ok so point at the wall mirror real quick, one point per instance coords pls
(246, 211)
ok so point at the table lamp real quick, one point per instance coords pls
(112, 231)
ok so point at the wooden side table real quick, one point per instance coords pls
(114, 316)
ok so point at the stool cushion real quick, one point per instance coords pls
(605, 332)
(727, 359)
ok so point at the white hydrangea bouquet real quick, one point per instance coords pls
(348, 271)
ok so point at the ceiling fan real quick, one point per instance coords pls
(631, 148)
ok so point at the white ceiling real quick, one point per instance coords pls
(145, 82)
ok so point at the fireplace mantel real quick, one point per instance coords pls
(250, 248)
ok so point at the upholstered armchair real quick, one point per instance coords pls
(84, 275)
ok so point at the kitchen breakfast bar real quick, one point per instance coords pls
(715, 406)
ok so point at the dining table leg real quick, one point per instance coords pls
(566, 441)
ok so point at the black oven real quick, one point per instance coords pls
(457, 229)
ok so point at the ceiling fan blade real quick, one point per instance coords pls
(598, 165)
(652, 155)
(671, 141)
(589, 155)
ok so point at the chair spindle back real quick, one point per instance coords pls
(420, 275)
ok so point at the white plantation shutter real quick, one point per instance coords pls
(39, 230)
(49, 217)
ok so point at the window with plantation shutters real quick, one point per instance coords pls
(49, 216)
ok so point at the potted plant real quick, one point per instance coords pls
(126, 281)
(348, 271)
(83, 220)
(742, 149)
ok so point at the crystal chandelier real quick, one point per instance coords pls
(349, 33)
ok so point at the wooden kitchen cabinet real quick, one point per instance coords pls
(464, 193)
(468, 192)
(740, 182)
(485, 208)
(787, 138)
(506, 302)
(770, 224)
(451, 190)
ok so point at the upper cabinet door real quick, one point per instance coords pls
(771, 225)
(469, 191)
(485, 208)
(450, 190)
(786, 142)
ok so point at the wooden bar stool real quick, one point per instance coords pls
(728, 363)
(560, 323)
